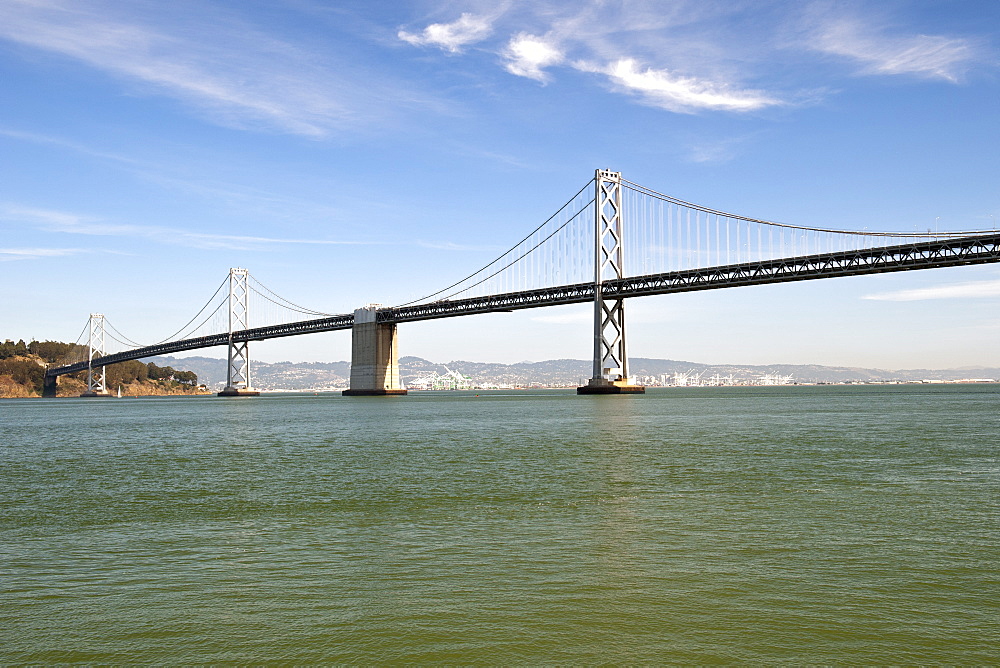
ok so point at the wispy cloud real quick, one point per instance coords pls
(236, 74)
(36, 138)
(567, 316)
(70, 223)
(975, 289)
(929, 56)
(528, 56)
(467, 29)
(714, 151)
(449, 246)
(202, 183)
(580, 314)
(12, 254)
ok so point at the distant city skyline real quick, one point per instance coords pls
(352, 155)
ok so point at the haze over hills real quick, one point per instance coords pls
(561, 372)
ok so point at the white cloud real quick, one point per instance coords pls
(527, 55)
(693, 56)
(594, 32)
(467, 29)
(10, 254)
(929, 56)
(955, 291)
(670, 91)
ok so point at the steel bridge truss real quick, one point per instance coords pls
(954, 252)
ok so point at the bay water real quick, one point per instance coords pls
(831, 524)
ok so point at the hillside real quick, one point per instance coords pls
(551, 373)
(271, 376)
(22, 369)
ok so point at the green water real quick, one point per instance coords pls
(743, 525)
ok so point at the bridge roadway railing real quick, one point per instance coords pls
(954, 252)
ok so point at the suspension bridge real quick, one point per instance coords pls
(577, 255)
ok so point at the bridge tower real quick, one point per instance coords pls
(374, 356)
(95, 348)
(238, 371)
(610, 361)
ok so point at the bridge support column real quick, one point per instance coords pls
(610, 361)
(95, 348)
(238, 372)
(374, 356)
(49, 386)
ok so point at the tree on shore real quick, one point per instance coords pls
(22, 365)
(10, 349)
(23, 371)
(55, 351)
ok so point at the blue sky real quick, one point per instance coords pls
(349, 153)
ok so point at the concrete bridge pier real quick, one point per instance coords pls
(49, 386)
(374, 356)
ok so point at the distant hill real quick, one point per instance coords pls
(276, 376)
(562, 372)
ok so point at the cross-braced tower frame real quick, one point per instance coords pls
(610, 361)
(96, 348)
(238, 371)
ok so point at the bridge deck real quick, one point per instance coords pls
(954, 252)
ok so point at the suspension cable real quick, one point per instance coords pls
(643, 190)
(117, 340)
(287, 304)
(529, 252)
(284, 306)
(207, 304)
(74, 353)
(208, 317)
(511, 250)
(83, 333)
(108, 325)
